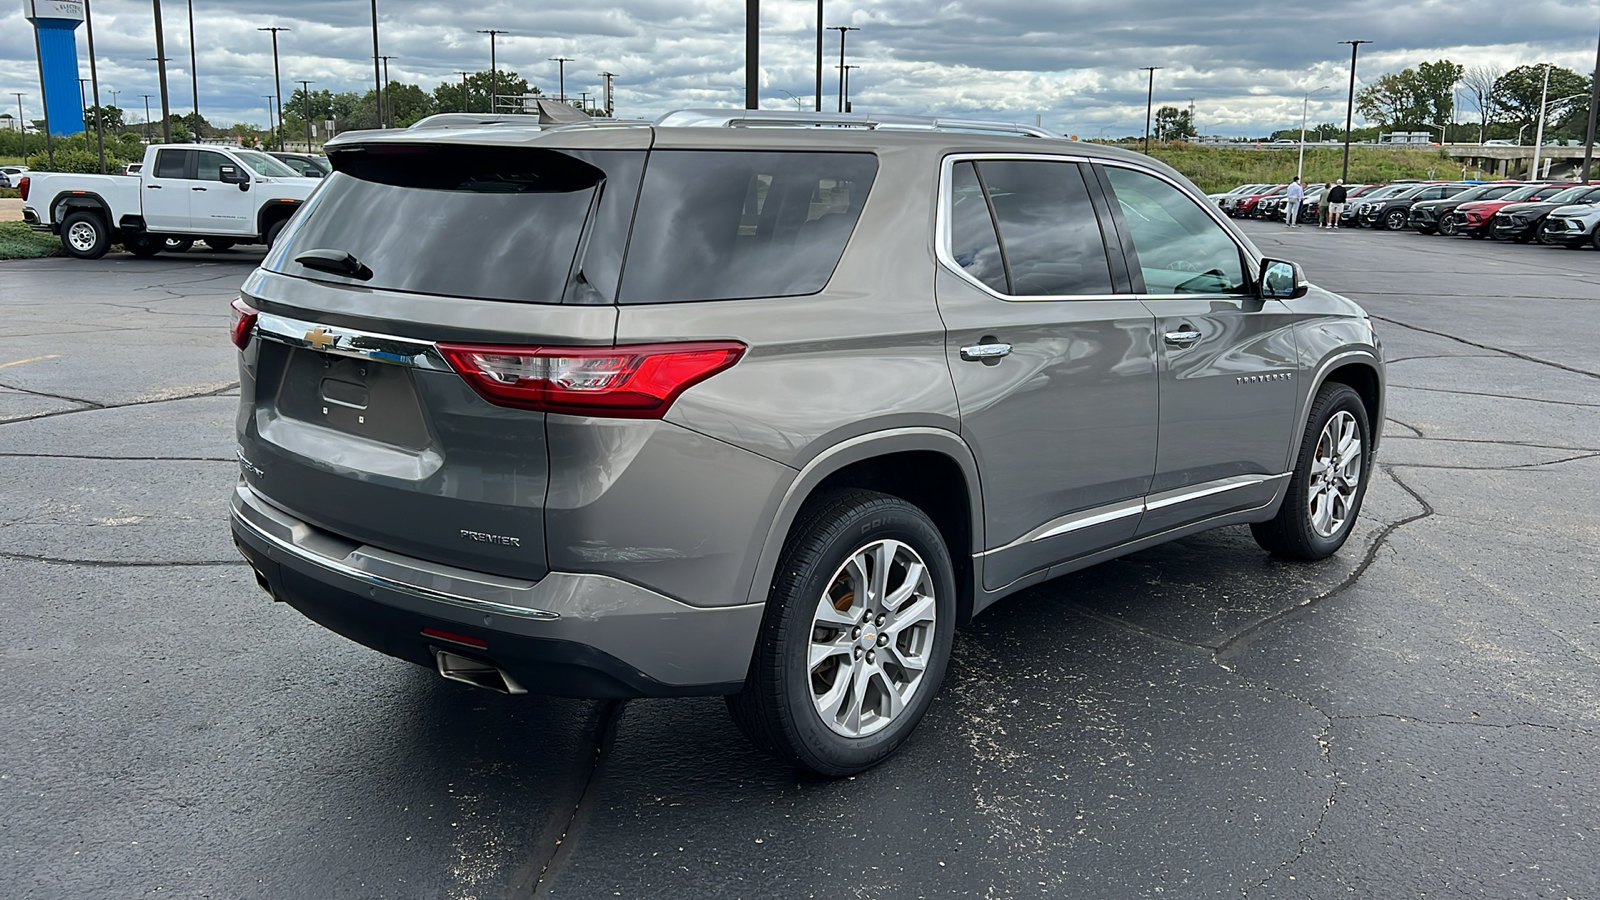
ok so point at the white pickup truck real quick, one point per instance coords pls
(183, 193)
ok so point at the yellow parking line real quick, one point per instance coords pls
(35, 359)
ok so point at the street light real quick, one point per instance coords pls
(610, 113)
(305, 91)
(847, 86)
(1305, 106)
(277, 79)
(147, 116)
(494, 70)
(161, 67)
(797, 106)
(463, 88)
(272, 125)
(1149, 101)
(1350, 105)
(385, 99)
(561, 66)
(843, 30)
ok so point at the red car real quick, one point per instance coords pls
(1472, 219)
(1246, 206)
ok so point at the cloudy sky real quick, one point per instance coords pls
(1073, 63)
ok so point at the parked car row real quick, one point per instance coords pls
(1558, 212)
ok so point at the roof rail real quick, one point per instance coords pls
(738, 118)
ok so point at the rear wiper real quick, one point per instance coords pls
(336, 261)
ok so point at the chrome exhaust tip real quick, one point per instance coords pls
(475, 672)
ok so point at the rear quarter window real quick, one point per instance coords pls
(726, 225)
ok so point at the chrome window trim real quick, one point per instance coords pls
(1100, 515)
(246, 504)
(350, 342)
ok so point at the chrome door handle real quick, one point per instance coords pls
(979, 352)
(1182, 338)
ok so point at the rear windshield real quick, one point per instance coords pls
(725, 225)
(496, 223)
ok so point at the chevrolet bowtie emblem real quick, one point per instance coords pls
(320, 338)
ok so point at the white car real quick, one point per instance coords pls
(10, 175)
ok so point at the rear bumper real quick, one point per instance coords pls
(566, 634)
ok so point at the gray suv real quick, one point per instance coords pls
(765, 405)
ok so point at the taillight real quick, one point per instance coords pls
(244, 322)
(629, 382)
(23, 185)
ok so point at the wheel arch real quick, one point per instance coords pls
(65, 203)
(930, 468)
(272, 212)
(1361, 371)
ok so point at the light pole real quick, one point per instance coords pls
(277, 79)
(797, 106)
(1305, 106)
(377, 79)
(161, 67)
(819, 56)
(463, 88)
(561, 68)
(94, 79)
(386, 99)
(752, 54)
(83, 95)
(1149, 101)
(843, 30)
(610, 114)
(1350, 105)
(305, 91)
(1538, 133)
(272, 123)
(147, 116)
(494, 71)
(1594, 107)
(194, 75)
(22, 127)
(847, 86)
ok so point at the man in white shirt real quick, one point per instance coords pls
(1293, 199)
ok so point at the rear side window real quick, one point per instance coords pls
(173, 163)
(1048, 227)
(496, 223)
(728, 225)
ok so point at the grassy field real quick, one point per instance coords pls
(18, 242)
(1222, 168)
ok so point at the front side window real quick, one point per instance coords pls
(730, 225)
(1049, 232)
(209, 165)
(1181, 249)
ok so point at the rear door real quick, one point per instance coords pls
(1053, 360)
(165, 191)
(1227, 358)
(352, 418)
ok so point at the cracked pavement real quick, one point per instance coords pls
(1418, 716)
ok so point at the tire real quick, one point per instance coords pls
(1477, 235)
(143, 245)
(1318, 512)
(799, 712)
(273, 230)
(1523, 238)
(84, 234)
(1394, 220)
(1425, 230)
(1447, 228)
(178, 245)
(220, 244)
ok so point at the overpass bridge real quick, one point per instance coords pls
(1504, 161)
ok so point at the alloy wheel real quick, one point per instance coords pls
(871, 638)
(1336, 469)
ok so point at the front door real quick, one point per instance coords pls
(1054, 367)
(165, 200)
(1228, 358)
(215, 206)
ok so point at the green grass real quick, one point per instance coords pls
(1223, 168)
(18, 241)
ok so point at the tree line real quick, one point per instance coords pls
(1505, 103)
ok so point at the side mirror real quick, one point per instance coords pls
(1281, 280)
(232, 175)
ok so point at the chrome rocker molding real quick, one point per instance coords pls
(292, 537)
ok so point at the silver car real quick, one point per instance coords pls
(765, 405)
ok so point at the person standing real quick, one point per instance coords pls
(1322, 204)
(1336, 198)
(1292, 201)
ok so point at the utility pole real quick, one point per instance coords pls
(83, 95)
(847, 86)
(1594, 108)
(1149, 101)
(94, 80)
(843, 30)
(147, 116)
(161, 67)
(494, 71)
(22, 127)
(272, 123)
(386, 104)
(819, 56)
(610, 113)
(305, 90)
(1350, 105)
(194, 75)
(561, 68)
(377, 79)
(1538, 134)
(463, 88)
(277, 80)
(752, 54)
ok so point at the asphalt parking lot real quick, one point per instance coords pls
(1417, 717)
